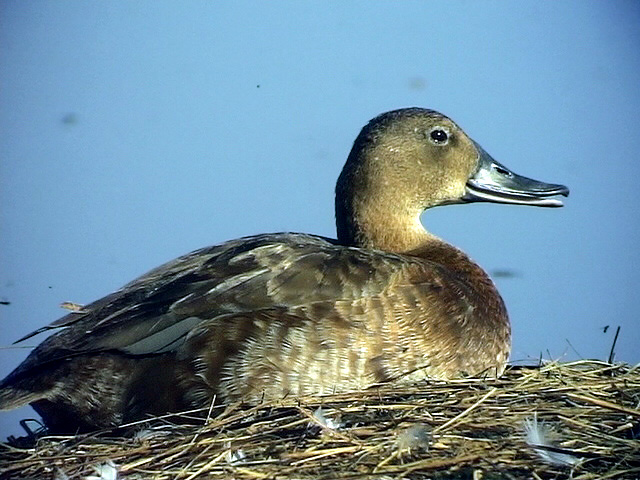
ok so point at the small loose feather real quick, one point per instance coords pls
(72, 306)
(234, 457)
(325, 421)
(105, 471)
(416, 437)
(539, 435)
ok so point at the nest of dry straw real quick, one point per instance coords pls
(588, 427)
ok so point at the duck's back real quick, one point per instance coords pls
(261, 318)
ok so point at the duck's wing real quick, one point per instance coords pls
(155, 312)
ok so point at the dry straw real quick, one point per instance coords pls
(586, 414)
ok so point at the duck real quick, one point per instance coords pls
(290, 315)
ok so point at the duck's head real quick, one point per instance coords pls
(408, 160)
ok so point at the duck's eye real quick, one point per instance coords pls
(439, 136)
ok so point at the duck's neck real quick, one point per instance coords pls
(370, 213)
(367, 224)
(372, 225)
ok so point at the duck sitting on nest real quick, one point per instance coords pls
(290, 314)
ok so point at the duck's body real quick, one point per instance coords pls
(277, 315)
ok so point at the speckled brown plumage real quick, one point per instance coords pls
(279, 315)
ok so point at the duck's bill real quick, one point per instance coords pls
(493, 182)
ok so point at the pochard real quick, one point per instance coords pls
(287, 315)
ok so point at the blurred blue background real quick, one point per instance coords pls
(134, 132)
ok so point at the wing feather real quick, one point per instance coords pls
(155, 312)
